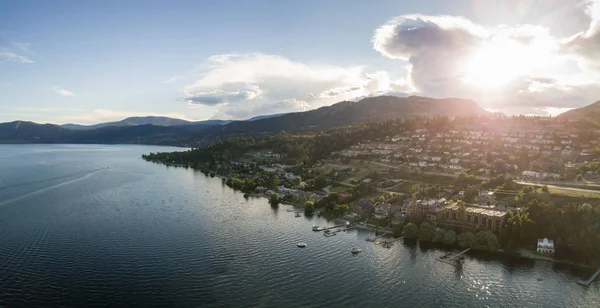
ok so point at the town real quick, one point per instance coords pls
(491, 183)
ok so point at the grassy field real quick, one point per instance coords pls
(573, 194)
(338, 188)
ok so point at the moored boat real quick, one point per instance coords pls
(355, 250)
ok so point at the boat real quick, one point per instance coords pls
(540, 279)
(302, 245)
(317, 228)
(298, 215)
(355, 250)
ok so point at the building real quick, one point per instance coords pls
(382, 210)
(545, 246)
(476, 218)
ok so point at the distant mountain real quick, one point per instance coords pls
(159, 121)
(166, 131)
(589, 113)
(372, 109)
(265, 117)
(133, 121)
(29, 132)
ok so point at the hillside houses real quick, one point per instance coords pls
(537, 146)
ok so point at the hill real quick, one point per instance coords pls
(29, 132)
(372, 109)
(589, 113)
(164, 131)
(151, 120)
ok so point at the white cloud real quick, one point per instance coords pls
(522, 68)
(9, 56)
(26, 47)
(219, 96)
(172, 79)
(62, 91)
(244, 85)
(250, 110)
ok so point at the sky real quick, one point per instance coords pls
(87, 62)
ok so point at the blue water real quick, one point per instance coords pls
(141, 234)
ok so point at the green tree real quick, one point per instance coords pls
(309, 207)
(545, 188)
(471, 193)
(411, 230)
(449, 237)
(462, 214)
(466, 240)
(426, 232)
(274, 199)
(398, 230)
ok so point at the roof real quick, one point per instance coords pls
(476, 210)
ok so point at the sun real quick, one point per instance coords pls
(496, 63)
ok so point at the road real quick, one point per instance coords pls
(561, 187)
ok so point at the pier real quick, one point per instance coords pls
(453, 258)
(586, 283)
(368, 239)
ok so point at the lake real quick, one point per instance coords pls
(73, 233)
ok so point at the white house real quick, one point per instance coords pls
(545, 246)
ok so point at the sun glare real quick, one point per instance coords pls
(497, 63)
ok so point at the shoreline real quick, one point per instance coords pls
(374, 228)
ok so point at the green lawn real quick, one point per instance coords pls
(573, 194)
(339, 188)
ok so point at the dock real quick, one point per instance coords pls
(368, 239)
(586, 283)
(333, 227)
(453, 258)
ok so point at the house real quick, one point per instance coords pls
(382, 210)
(261, 188)
(545, 246)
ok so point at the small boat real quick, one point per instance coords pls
(540, 279)
(302, 245)
(317, 228)
(355, 250)
(298, 215)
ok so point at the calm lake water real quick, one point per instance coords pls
(142, 234)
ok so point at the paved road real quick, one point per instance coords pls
(561, 187)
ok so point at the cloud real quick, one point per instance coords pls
(62, 91)
(26, 47)
(521, 67)
(8, 56)
(172, 79)
(249, 110)
(586, 44)
(252, 83)
(219, 96)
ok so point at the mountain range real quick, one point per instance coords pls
(160, 121)
(166, 131)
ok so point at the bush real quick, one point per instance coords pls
(545, 188)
